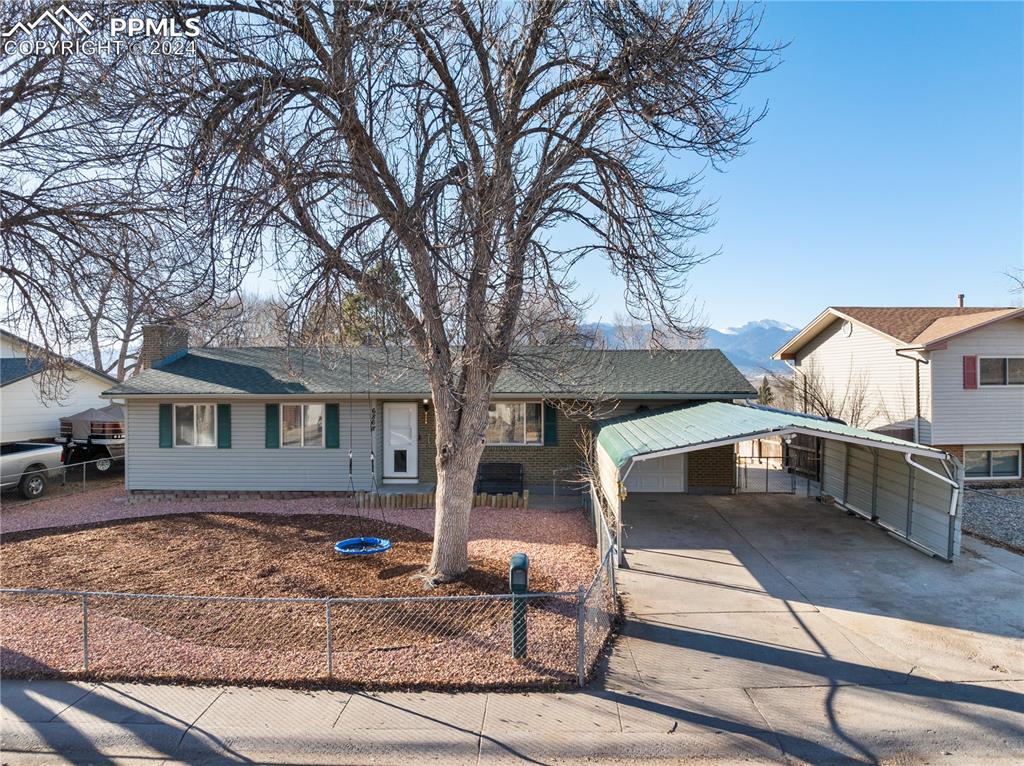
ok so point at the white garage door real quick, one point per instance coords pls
(663, 474)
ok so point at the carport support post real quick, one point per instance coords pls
(581, 672)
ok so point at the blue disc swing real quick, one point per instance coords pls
(363, 545)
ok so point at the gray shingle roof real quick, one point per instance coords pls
(16, 368)
(290, 371)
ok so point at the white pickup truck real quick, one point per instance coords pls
(28, 467)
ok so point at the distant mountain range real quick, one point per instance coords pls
(749, 347)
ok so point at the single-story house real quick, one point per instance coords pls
(25, 413)
(285, 420)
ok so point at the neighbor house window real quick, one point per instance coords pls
(1001, 371)
(195, 425)
(302, 425)
(992, 463)
(515, 423)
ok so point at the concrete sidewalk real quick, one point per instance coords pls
(57, 722)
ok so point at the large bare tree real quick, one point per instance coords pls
(61, 196)
(96, 238)
(446, 142)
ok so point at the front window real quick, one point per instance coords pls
(992, 463)
(515, 423)
(195, 425)
(1001, 371)
(302, 425)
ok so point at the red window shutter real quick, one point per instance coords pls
(970, 372)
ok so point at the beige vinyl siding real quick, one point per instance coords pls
(925, 435)
(985, 415)
(863, 362)
(248, 464)
(24, 416)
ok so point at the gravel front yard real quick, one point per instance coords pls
(995, 518)
(282, 548)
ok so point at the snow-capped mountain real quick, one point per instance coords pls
(750, 346)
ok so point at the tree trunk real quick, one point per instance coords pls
(453, 504)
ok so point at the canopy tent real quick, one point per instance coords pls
(913, 490)
(81, 422)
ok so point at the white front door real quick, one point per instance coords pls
(400, 440)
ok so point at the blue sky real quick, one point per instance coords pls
(888, 170)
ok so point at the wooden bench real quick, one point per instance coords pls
(499, 478)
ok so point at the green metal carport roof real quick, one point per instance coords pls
(686, 429)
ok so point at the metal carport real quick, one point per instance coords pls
(911, 490)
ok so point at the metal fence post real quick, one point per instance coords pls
(581, 672)
(85, 633)
(330, 641)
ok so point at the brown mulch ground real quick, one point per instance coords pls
(238, 555)
(379, 644)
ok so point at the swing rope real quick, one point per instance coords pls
(361, 545)
(373, 447)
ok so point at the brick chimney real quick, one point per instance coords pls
(960, 300)
(160, 341)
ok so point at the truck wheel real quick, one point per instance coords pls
(103, 465)
(32, 485)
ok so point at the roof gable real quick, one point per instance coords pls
(905, 326)
(906, 323)
(38, 356)
(13, 369)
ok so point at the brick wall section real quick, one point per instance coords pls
(715, 467)
(957, 451)
(538, 462)
(160, 341)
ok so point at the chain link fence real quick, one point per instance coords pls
(444, 641)
(67, 479)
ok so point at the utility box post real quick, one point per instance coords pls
(519, 584)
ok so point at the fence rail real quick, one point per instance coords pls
(71, 478)
(403, 640)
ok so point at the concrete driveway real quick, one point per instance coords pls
(776, 619)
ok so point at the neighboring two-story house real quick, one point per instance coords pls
(948, 377)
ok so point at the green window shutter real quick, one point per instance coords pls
(166, 426)
(332, 428)
(273, 427)
(224, 426)
(550, 425)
